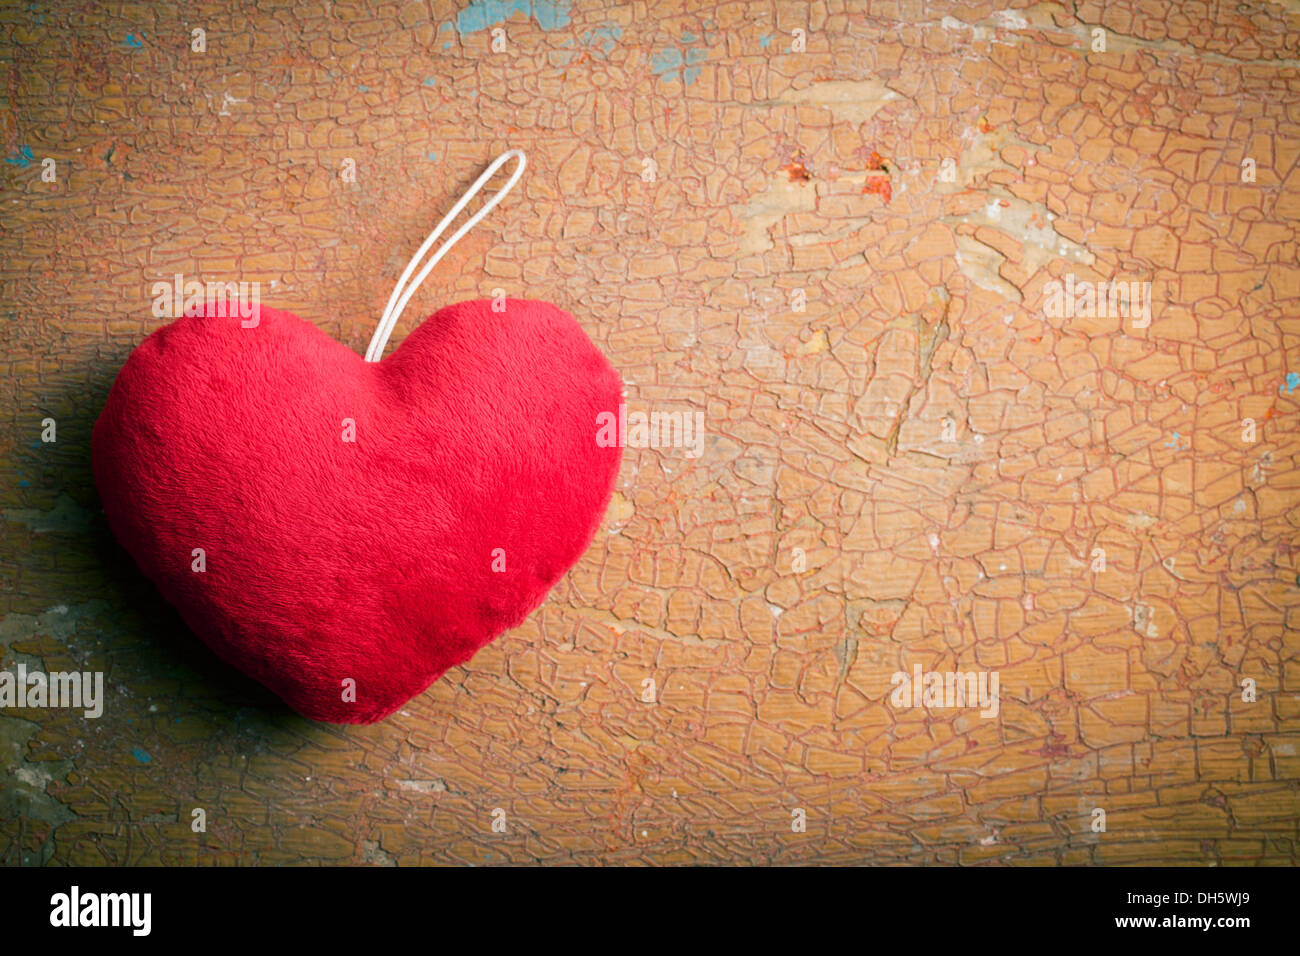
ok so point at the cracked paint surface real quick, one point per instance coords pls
(943, 455)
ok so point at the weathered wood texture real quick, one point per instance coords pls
(946, 454)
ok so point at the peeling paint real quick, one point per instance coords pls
(65, 516)
(763, 212)
(854, 101)
(672, 63)
(1028, 224)
(903, 468)
(482, 14)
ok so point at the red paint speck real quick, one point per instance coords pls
(879, 186)
(797, 171)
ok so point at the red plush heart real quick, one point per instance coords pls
(474, 482)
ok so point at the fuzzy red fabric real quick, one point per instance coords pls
(377, 560)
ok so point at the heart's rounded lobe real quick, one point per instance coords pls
(363, 526)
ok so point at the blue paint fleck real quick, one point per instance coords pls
(133, 42)
(140, 755)
(692, 71)
(1292, 380)
(432, 156)
(363, 88)
(672, 64)
(23, 483)
(22, 158)
(765, 41)
(481, 14)
(666, 60)
(606, 38)
(446, 44)
(431, 81)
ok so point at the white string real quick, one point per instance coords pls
(403, 292)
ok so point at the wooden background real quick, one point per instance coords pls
(775, 173)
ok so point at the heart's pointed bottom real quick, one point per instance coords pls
(345, 532)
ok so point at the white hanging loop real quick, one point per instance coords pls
(403, 292)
